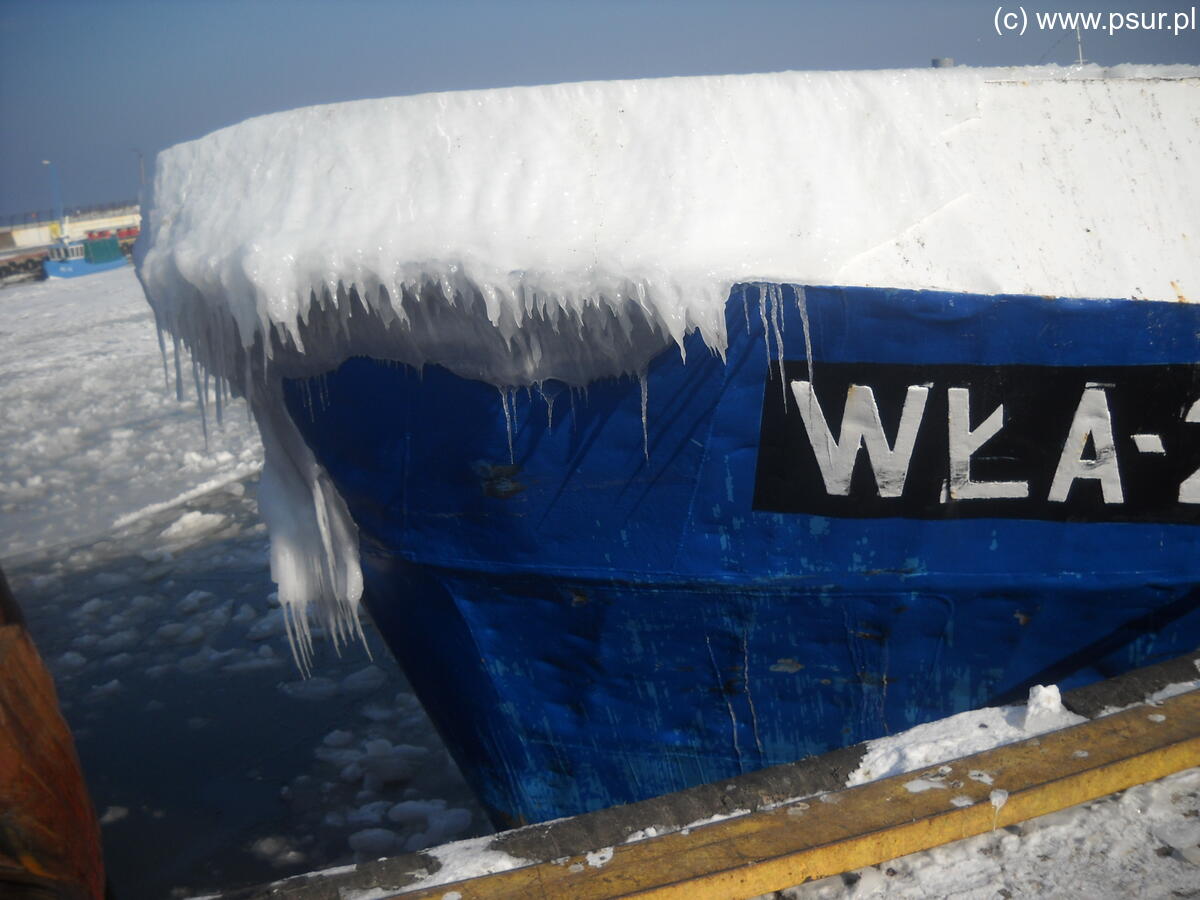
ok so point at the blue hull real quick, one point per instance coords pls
(77, 268)
(613, 616)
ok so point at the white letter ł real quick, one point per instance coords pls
(964, 442)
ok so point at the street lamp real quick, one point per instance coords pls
(56, 186)
(141, 168)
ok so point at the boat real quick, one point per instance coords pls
(651, 481)
(953, 498)
(49, 836)
(73, 259)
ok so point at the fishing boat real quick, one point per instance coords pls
(72, 259)
(865, 415)
(68, 258)
(953, 498)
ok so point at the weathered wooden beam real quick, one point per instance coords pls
(836, 832)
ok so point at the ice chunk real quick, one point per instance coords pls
(170, 631)
(413, 812)
(268, 626)
(120, 641)
(106, 690)
(218, 618)
(1044, 708)
(373, 842)
(202, 659)
(278, 850)
(94, 607)
(599, 858)
(193, 601)
(443, 826)
(246, 613)
(339, 756)
(369, 814)
(72, 660)
(364, 680)
(384, 763)
(190, 635)
(920, 785)
(114, 814)
(338, 738)
(192, 525)
(112, 579)
(316, 689)
(378, 712)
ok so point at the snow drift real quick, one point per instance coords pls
(574, 231)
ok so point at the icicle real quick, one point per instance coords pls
(776, 296)
(802, 303)
(644, 381)
(219, 391)
(762, 315)
(299, 637)
(306, 389)
(162, 350)
(770, 325)
(746, 309)
(508, 422)
(550, 411)
(201, 397)
(178, 371)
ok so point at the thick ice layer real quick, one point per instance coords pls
(573, 231)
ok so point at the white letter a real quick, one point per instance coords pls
(1091, 418)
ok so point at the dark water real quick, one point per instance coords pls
(204, 750)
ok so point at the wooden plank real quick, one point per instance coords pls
(772, 849)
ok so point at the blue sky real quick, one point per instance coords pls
(88, 83)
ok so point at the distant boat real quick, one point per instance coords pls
(72, 259)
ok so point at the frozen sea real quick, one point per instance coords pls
(139, 559)
(137, 552)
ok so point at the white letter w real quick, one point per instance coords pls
(861, 423)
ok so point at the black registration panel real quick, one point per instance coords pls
(1095, 443)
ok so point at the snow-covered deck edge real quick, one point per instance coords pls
(591, 838)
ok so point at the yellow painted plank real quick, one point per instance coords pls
(773, 849)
